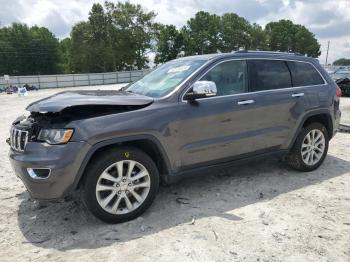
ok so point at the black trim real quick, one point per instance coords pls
(204, 170)
(316, 112)
(290, 73)
(116, 141)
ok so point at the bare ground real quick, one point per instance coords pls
(258, 212)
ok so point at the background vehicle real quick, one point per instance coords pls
(344, 85)
(31, 87)
(189, 116)
(11, 89)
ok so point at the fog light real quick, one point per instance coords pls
(39, 173)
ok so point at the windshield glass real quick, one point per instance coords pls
(165, 78)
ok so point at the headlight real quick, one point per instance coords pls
(55, 136)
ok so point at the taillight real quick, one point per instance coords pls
(338, 92)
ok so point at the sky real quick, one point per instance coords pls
(329, 20)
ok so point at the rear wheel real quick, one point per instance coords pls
(120, 185)
(310, 148)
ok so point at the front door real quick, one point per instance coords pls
(215, 129)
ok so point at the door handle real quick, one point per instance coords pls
(246, 102)
(297, 94)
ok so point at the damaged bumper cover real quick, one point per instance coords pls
(62, 161)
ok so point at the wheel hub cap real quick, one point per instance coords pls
(122, 187)
(313, 147)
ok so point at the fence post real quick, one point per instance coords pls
(103, 78)
(89, 79)
(39, 81)
(73, 80)
(130, 76)
(116, 77)
(56, 81)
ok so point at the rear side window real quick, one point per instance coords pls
(268, 74)
(304, 74)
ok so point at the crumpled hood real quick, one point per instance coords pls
(63, 100)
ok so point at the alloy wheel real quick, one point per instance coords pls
(313, 147)
(123, 187)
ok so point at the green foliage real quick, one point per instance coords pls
(25, 50)
(115, 38)
(170, 43)
(65, 52)
(288, 37)
(202, 34)
(119, 36)
(235, 33)
(133, 31)
(342, 62)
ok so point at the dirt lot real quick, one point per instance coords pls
(259, 212)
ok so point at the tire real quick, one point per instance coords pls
(300, 161)
(103, 172)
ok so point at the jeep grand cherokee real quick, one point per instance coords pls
(186, 117)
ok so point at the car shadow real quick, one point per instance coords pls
(68, 225)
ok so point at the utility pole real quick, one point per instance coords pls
(327, 53)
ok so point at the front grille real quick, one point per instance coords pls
(18, 139)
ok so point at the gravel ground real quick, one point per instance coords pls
(259, 212)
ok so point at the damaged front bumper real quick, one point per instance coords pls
(49, 171)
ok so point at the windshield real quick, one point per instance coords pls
(165, 78)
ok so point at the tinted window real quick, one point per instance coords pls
(269, 74)
(230, 77)
(304, 74)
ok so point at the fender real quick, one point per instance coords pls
(117, 140)
(324, 111)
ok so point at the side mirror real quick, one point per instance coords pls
(201, 89)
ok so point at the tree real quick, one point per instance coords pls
(342, 62)
(28, 50)
(235, 33)
(65, 47)
(169, 43)
(80, 49)
(92, 43)
(258, 38)
(286, 36)
(207, 33)
(133, 33)
(100, 41)
(202, 34)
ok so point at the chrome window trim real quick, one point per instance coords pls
(255, 92)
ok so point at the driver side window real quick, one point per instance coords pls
(230, 77)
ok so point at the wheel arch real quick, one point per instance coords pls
(147, 143)
(324, 119)
(322, 116)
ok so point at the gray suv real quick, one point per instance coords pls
(188, 116)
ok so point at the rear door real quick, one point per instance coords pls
(277, 105)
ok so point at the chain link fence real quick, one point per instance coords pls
(71, 80)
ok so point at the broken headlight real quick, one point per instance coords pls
(55, 136)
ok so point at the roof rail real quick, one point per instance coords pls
(268, 52)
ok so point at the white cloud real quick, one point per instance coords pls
(328, 19)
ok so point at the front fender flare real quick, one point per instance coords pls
(118, 140)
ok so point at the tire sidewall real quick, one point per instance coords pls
(99, 164)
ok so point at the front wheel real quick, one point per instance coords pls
(120, 185)
(310, 148)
